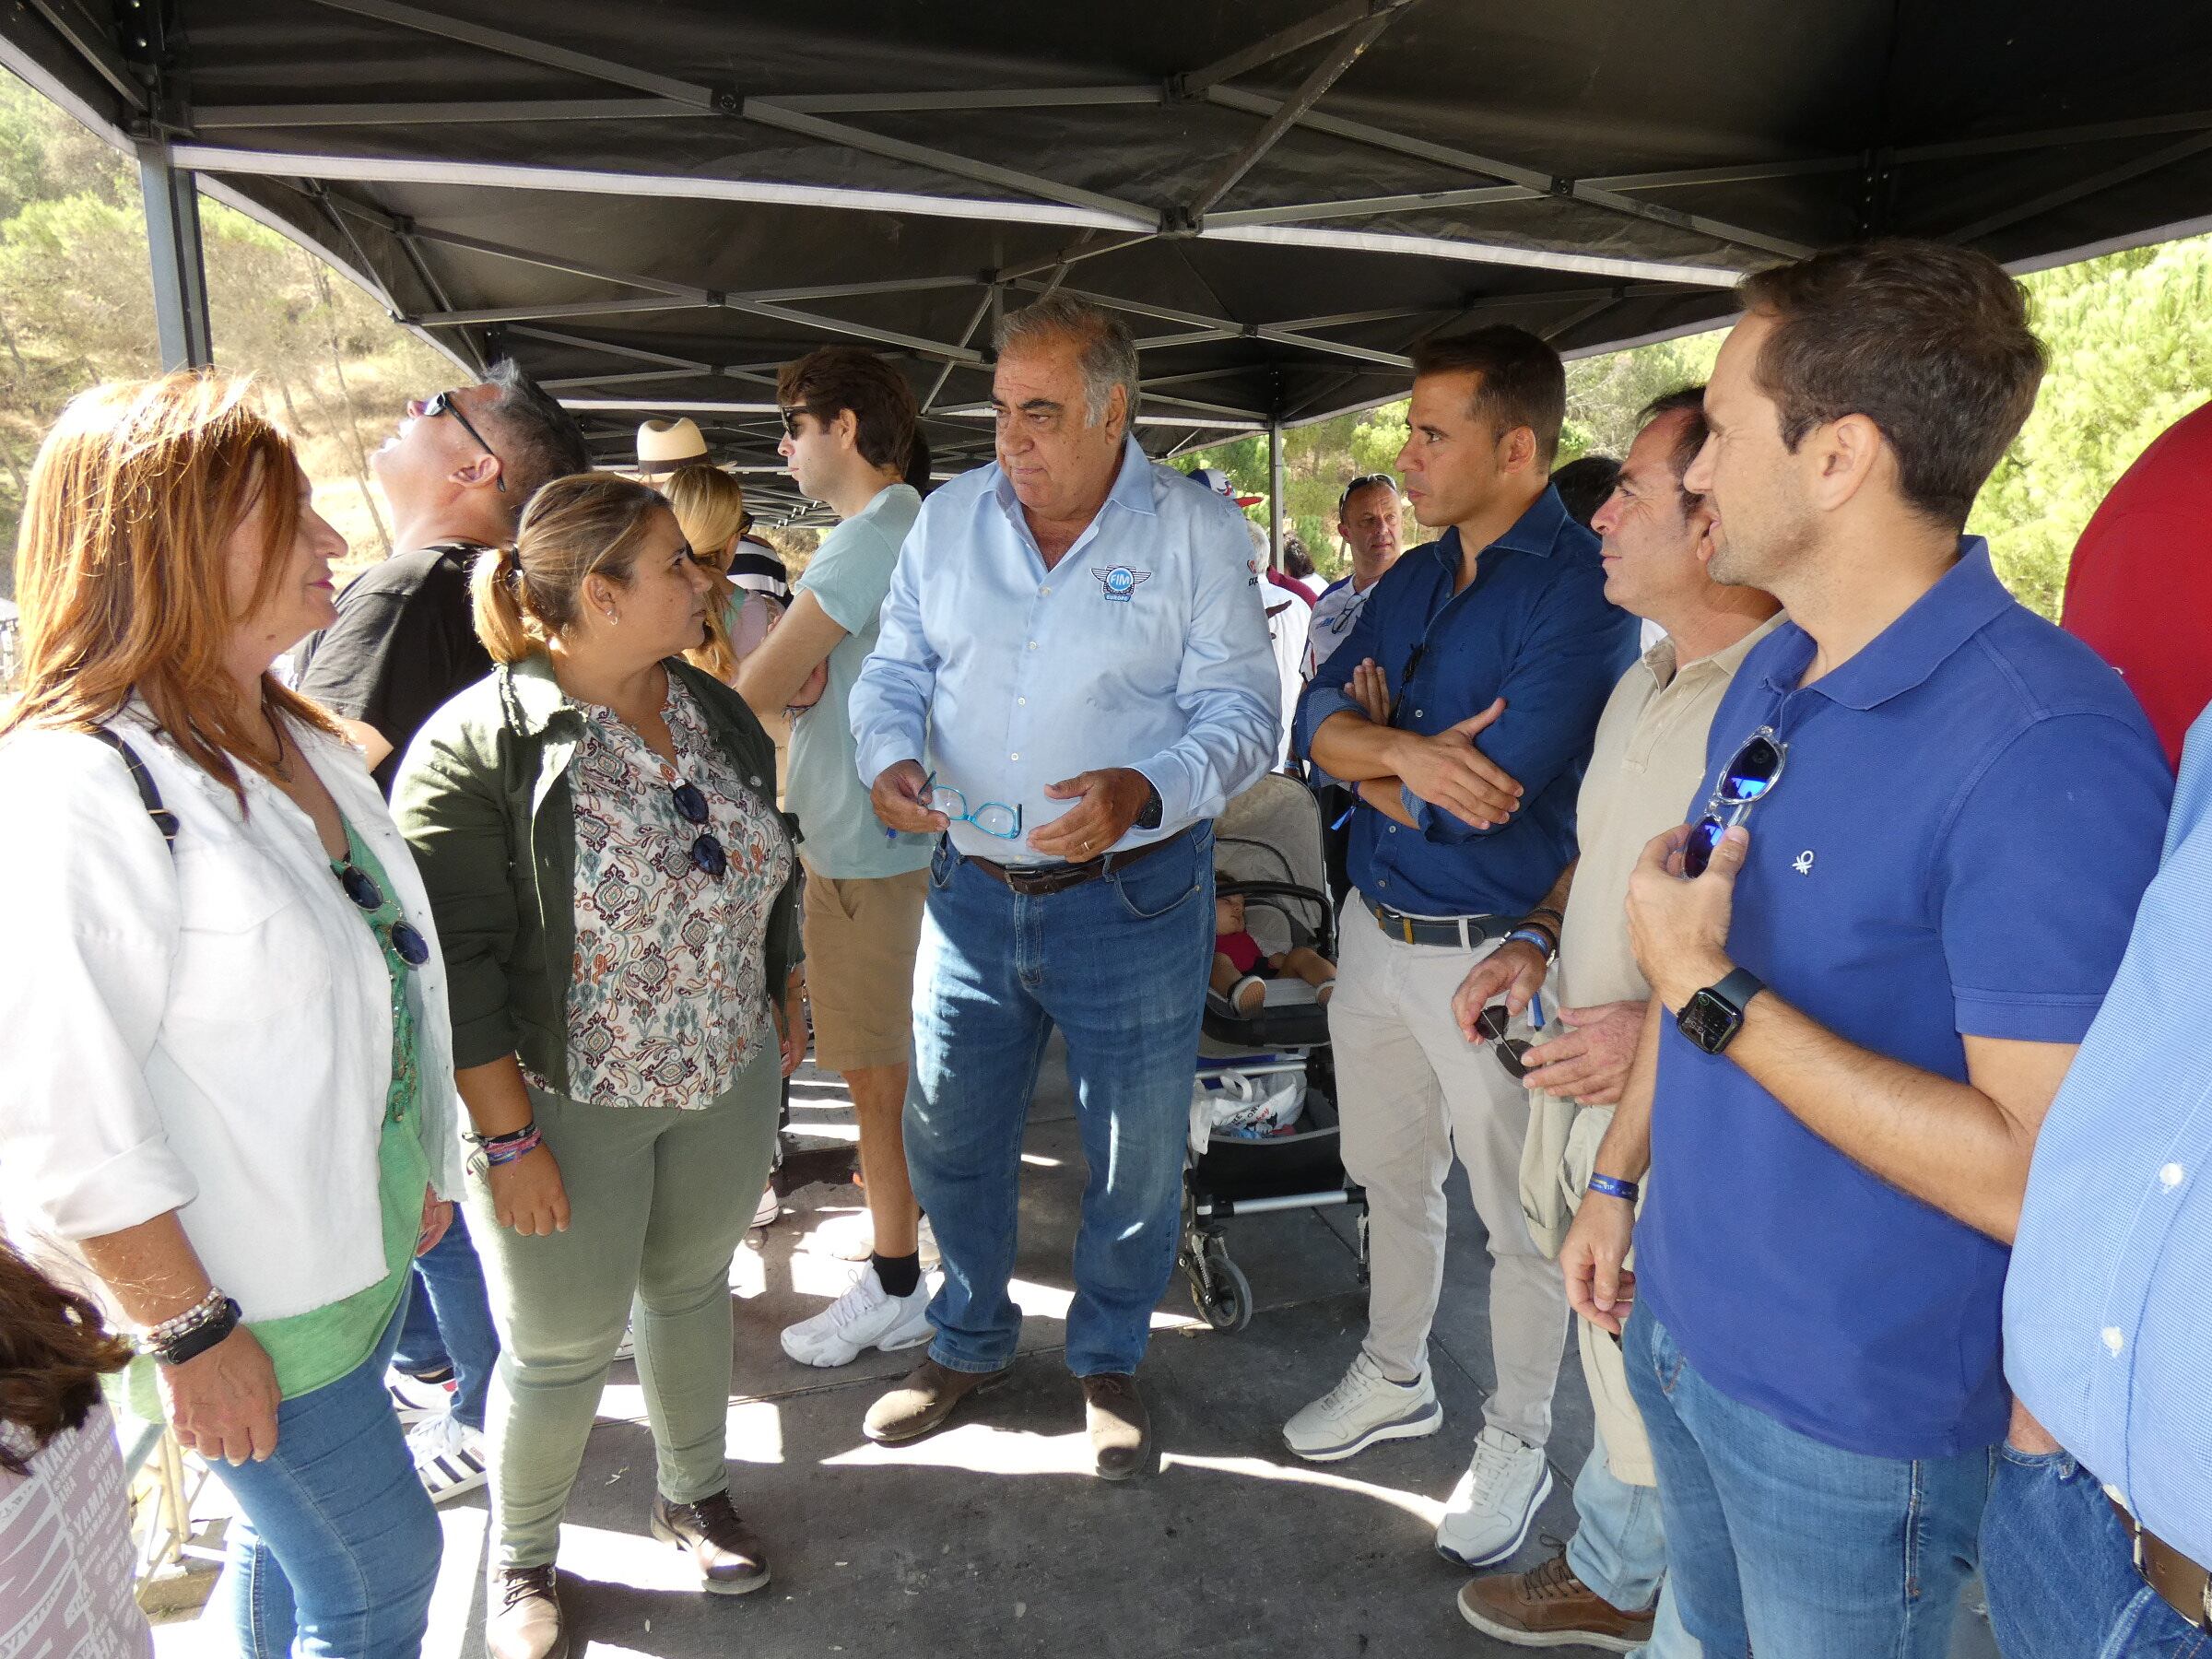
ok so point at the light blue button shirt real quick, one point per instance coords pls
(2106, 1338)
(1145, 646)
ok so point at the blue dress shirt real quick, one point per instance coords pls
(1533, 628)
(1145, 647)
(1966, 819)
(2105, 1335)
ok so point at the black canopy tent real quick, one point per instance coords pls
(652, 206)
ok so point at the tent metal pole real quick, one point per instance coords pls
(1275, 493)
(173, 240)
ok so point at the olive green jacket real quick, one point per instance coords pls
(483, 799)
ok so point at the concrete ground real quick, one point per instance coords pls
(992, 1539)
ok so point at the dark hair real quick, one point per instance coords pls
(1524, 383)
(525, 592)
(539, 439)
(1585, 483)
(1931, 343)
(917, 464)
(1690, 401)
(834, 378)
(1296, 559)
(53, 1351)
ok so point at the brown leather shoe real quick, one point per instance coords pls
(1548, 1607)
(929, 1396)
(731, 1561)
(524, 1620)
(1120, 1429)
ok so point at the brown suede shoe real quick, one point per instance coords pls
(929, 1396)
(1120, 1429)
(731, 1561)
(524, 1617)
(1548, 1607)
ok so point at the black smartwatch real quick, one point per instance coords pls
(1711, 1018)
(201, 1337)
(1148, 815)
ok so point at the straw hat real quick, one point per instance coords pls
(664, 445)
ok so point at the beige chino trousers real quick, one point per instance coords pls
(1412, 1093)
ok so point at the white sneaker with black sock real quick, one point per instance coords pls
(865, 1316)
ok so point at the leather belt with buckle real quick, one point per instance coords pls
(2180, 1582)
(1467, 931)
(1034, 880)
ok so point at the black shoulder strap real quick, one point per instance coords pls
(164, 820)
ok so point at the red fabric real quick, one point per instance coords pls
(1290, 586)
(2139, 592)
(1240, 949)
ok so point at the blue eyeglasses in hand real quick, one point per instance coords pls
(993, 818)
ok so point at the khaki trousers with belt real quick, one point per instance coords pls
(1413, 1092)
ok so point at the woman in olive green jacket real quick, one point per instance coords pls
(617, 897)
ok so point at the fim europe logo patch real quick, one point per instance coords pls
(1118, 581)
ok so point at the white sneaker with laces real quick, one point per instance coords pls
(449, 1457)
(415, 1402)
(852, 1239)
(768, 1209)
(865, 1316)
(1495, 1502)
(1364, 1408)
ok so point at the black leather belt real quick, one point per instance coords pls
(1467, 931)
(1034, 880)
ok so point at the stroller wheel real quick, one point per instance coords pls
(1222, 1292)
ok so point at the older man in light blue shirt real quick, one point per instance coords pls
(1073, 676)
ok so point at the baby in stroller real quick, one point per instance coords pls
(1238, 958)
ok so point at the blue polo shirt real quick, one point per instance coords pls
(1969, 811)
(1533, 628)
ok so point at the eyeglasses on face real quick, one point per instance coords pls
(408, 943)
(444, 404)
(1748, 779)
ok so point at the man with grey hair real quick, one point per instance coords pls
(1072, 678)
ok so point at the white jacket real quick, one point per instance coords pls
(209, 1034)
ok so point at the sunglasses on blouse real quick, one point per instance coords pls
(708, 854)
(360, 887)
(444, 404)
(1745, 781)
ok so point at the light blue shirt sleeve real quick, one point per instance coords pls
(890, 699)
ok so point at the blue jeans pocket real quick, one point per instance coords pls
(2060, 1462)
(1169, 878)
(941, 863)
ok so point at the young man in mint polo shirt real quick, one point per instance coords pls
(849, 425)
(1907, 881)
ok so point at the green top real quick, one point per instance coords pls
(319, 1346)
(484, 801)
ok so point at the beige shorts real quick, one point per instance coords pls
(860, 939)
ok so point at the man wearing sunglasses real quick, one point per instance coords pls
(1928, 819)
(1499, 631)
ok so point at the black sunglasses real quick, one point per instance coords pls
(707, 852)
(360, 887)
(1745, 781)
(791, 420)
(1365, 481)
(444, 404)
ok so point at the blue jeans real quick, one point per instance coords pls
(1780, 1542)
(2061, 1574)
(337, 1547)
(1118, 964)
(449, 1320)
(1619, 1551)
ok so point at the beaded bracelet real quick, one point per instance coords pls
(199, 1314)
(507, 1149)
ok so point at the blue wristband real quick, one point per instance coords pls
(1529, 935)
(1613, 1188)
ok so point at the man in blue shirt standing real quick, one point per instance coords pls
(1499, 629)
(1074, 641)
(2104, 1308)
(1927, 818)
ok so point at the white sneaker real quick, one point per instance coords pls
(415, 1402)
(852, 1239)
(1495, 1502)
(1367, 1406)
(768, 1209)
(449, 1457)
(865, 1316)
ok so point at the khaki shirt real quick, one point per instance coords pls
(1648, 760)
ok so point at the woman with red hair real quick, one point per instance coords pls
(226, 1094)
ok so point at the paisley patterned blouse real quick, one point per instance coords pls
(668, 1000)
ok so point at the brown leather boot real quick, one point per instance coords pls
(929, 1396)
(731, 1561)
(524, 1617)
(1120, 1429)
(1548, 1607)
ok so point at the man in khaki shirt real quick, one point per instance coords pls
(1649, 760)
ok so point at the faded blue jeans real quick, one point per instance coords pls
(2061, 1571)
(1118, 965)
(338, 1547)
(1777, 1542)
(1619, 1551)
(449, 1320)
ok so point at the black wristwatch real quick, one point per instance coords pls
(1149, 815)
(200, 1338)
(1711, 1018)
